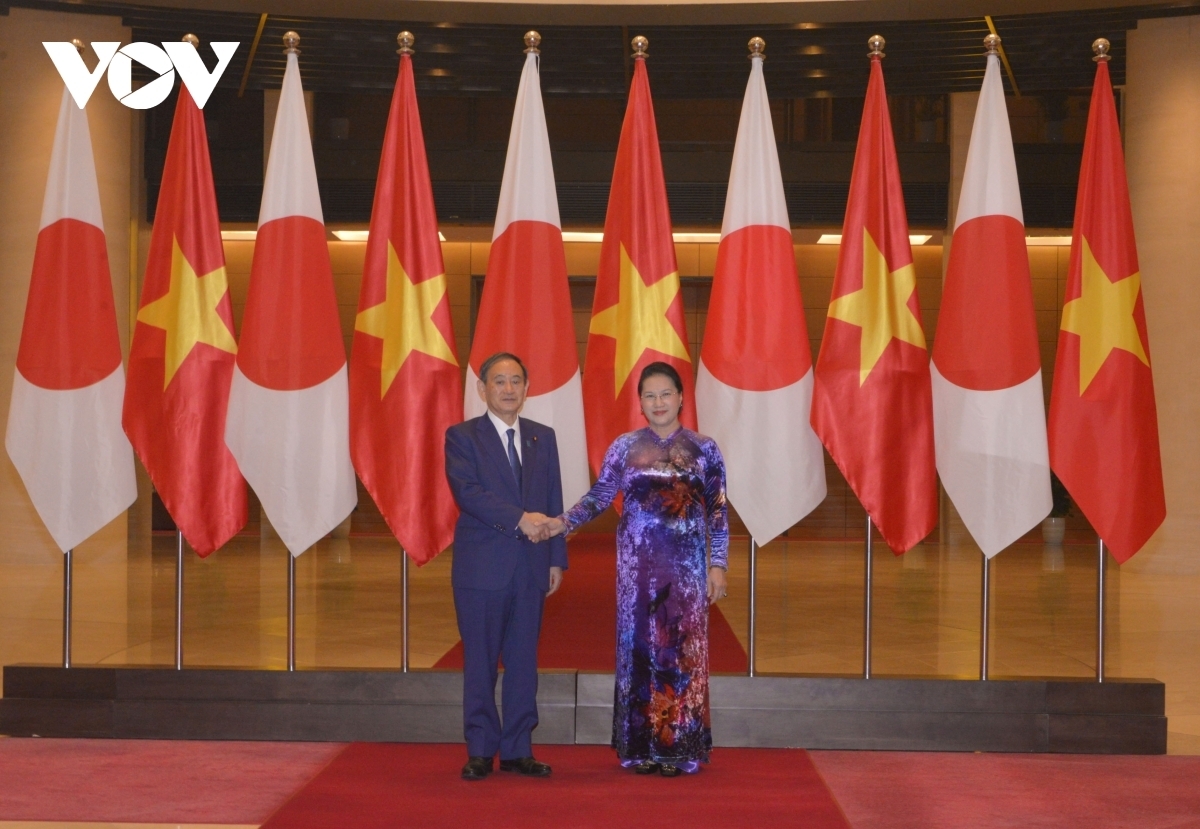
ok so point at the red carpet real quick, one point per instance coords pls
(152, 781)
(400, 785)
(903, 790)
(579, 625)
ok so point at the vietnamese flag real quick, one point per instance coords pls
(288, 424)
(872, 405)
(1103, 427)
(754, 391)
(637, 314)
(526, 304)
(183, 351)
(64, 419)
(404, 376)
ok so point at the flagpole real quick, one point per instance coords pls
(1100, 611)
(404, 611)
(291, 612)
(867, 607)
(985, 603)
(750, 634)
(66, 638)
(179, 600)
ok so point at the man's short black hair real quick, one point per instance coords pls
(496, 358)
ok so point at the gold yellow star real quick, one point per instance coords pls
(1102, 316)
(639, 320)
(188, 312)
(880, 308)
(404, 320)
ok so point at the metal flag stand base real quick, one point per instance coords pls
(1100, 611)
(867, 607)
(178, 600)
(403, 611)
(291, 612)
(66, 661)
(984, 614)
(750, 633)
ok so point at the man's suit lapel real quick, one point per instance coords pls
(529, 457)
(495, 450)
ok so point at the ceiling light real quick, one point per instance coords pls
(682, 238)
(363, 235)
(579, 236)
(836, 238)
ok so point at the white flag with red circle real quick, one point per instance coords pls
(989, 420)
(754, 390)
(64, 431)
(288, 424)
(526, 304)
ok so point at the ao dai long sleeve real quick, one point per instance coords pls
(674, 523)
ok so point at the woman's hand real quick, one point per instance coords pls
(718, 586)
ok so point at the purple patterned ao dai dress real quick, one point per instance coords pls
(674, 513)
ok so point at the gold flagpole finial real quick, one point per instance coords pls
(406, 41)
(876, 43)
(78, 44)
(640, 45)
(992, 44)
(291, 43)
(757, 47)
(532, 41)
(1101, 46)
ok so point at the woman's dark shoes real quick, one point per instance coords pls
(668, 770)
(526, 766)
(477, 768)
(646, 767)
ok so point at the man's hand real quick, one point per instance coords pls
(718, 587)
(533, 524)
(555, 580)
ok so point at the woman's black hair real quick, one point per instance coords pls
(663, 370)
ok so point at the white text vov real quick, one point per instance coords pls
(178, 56)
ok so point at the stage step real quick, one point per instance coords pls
(1027, 715)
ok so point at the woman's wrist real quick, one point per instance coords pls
(718, 567)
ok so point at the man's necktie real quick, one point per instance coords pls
(514, 460)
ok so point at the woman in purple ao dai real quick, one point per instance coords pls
(672, 544)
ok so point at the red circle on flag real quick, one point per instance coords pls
(291, 335)
(756, 338)
(69, 339)
(987, 332)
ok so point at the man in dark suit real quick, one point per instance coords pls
(504, 473)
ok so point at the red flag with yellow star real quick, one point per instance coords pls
(1103, 426)
(872, 403)
(637, 314)
(182, 355)
(405, 384)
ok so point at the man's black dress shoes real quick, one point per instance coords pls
(526, 766)
(477, 768)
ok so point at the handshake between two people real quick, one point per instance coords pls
(538, 527)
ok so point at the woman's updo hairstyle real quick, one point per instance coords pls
(663, 370)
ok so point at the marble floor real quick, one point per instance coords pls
(926, 615)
